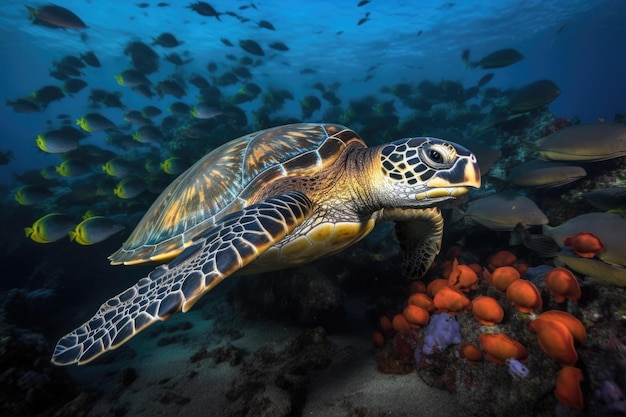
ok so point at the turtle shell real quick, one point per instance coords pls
(227, 180)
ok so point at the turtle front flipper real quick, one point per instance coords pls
(419, 232)
(220, 251)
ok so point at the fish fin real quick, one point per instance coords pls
(541, 244)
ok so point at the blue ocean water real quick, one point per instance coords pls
(362, 54)
(574, 43)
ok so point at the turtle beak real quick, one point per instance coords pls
(471, 173)
(465, 173)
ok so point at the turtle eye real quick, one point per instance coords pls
(438, 155)
(435, 156)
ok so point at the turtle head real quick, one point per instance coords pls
(426, 171)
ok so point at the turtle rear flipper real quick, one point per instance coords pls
(220, 251)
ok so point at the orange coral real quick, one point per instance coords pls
(435, 285)
(400, 324)
(471, 353)
(556, 341)
(451, 300)
(446, 268)
(476, 268)
(501, 258)
(524, 296)
(378, 339)
(422, 300)
(568, 390)
(454, 252)
(499, 347)
(417, 286)
(416, 316)
(584, 244)
(522, 268)
(385, 324)
(503, 276)
(462, 277)
(487, 310)
(575, 326)
(562, 285)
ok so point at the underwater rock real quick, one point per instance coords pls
(224, 353)
(170, 397)
(30, 386)
(275, 383)
(24, 309)
(398, 357)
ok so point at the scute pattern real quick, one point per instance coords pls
(213, 186)
(416, 159)
(225, 248)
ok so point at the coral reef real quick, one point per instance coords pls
(528, 348)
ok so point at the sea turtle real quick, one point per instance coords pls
(271, 200)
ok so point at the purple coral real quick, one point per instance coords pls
(611, 395)
(442, 331)
(516, 368)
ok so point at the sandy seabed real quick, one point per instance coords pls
(169, 383)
